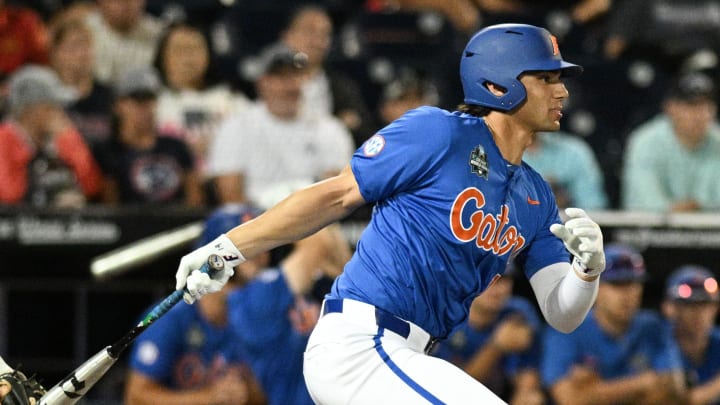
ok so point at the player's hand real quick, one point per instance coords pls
(197, 283)
(513, 335)
(583, 238)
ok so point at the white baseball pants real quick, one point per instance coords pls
(352, 358)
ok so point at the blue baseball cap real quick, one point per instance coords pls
(224, 219)
(692, 284)
(623, 264)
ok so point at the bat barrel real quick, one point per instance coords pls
(74, 386)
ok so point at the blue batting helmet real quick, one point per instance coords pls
(499, 54)
(224, 219)
(623, 264)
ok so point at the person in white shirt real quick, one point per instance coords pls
(192, 105)
(272, 141)
(124, 36)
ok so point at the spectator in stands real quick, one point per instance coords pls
(72, 58)
(326, 90)
(191, 105)
(568, 163)
(274, 314)
(44, 160)
(191, 355)
(271, 141)
(143, 167)
(500, 344)
(691, 305)
(23, 38)
(407, 91)
(671, 162)
(620, 354)
(124, 36)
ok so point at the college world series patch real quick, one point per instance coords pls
(478, 162)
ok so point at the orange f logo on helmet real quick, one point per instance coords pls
(556, 49)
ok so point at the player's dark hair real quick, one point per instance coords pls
(475, 110)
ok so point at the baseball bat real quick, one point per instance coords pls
(144, 250)
(70, 389)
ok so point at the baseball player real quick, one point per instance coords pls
(499, 345)
(192, 355)
(691, 305)
(621, 353)
(453, 202)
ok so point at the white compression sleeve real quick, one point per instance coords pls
(563, 297)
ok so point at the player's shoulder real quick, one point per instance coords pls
(648, 319)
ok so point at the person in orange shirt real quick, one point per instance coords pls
(44, 160)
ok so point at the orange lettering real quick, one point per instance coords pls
(489, 231)
(556, 48)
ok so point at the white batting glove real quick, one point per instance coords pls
(583, 238)
(197, 283)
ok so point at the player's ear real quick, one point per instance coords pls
(495, 89)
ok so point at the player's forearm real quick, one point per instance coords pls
(141, 390)
(301, 214)
(484, 361)
(563, 297)
(705, 394)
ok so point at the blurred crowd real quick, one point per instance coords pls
(223, 104)
(203, 103)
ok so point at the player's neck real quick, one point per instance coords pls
(512, 139)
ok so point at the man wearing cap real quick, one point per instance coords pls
(44, 160)
(499, 345)
(671, 162)
(691, 306)
(272, 141)
(192, 355)
(143, 167)
(620, 354)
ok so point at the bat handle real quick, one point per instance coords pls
(214, 264)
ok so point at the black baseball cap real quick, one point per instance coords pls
(691, 87)
(280, 59)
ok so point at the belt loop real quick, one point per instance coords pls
(430, 345)
(332, 305)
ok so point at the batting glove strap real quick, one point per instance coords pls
(198, 284)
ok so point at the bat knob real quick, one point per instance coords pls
(215, 263)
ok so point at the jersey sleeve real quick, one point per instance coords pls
(402, 155)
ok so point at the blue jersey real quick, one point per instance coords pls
(182, 350)
(466, 341)
(646, 345)
(269, 322)
(699, 374)
(449, 213)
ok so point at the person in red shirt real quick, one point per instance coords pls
(23, 38)
(44, 160)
